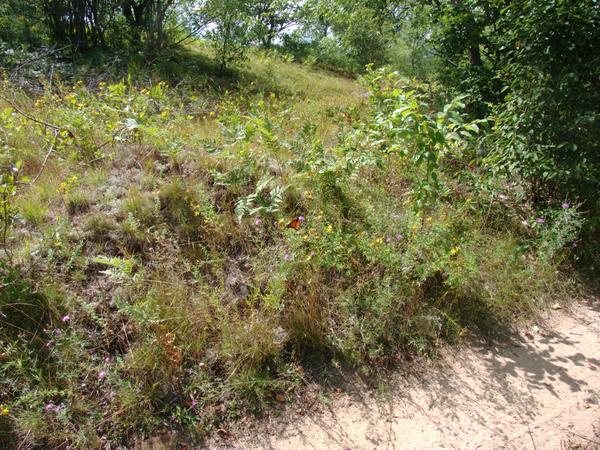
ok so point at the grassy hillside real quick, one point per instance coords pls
(180, 250)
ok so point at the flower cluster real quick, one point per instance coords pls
(52, 408)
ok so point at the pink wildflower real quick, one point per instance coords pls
(51, 407)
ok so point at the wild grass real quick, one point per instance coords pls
(156, 282)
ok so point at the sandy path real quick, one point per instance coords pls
(539, 391)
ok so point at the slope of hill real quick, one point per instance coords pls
(182, 250)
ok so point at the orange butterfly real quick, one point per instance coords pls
(295, 223)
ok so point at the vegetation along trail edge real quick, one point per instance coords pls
(538, 390)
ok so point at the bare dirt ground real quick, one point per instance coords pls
(538, 390)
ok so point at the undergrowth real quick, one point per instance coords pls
(175, 258)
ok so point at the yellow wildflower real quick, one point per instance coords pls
(4, 411)
(329, 228)
(196, 208)
(454, 251)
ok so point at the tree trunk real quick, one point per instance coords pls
(80, 39)
(475, 56)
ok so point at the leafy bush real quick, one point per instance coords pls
(404, 125)
(547, 128)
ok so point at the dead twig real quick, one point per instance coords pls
(583, 437)
(45, 160)
(531, 437)
(51, 78)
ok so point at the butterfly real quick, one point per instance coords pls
(295, 223)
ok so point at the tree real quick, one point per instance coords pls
(20, 22)
(463, 33)
(361, 29)
(548, 123)
(82, 23)
(271, 17)
(148, 17)
(535, 67)
(229, 32)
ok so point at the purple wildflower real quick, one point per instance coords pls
(258, 222)
(51, 407)
(540, 220)
(102, 375)
(399, 236)
(66, 318)
(301, 218)
(566, 205)
(57, 331)
(286, 257)
(388, 239)
(106, 359)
